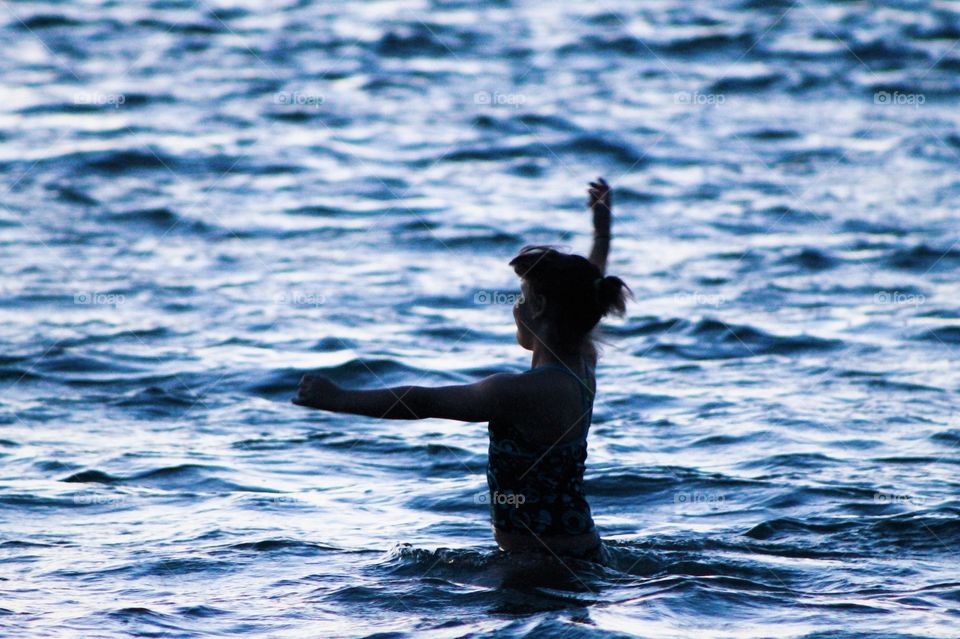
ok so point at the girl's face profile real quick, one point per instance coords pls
(523, 317)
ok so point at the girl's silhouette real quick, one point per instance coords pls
(539, 419)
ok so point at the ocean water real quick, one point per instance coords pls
(204, 200)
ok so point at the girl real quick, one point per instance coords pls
(538, 420)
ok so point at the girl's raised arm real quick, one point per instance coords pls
(477, 402)
(601, 203)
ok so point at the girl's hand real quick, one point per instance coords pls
(601, 200)
(317, 392)
(600, 196)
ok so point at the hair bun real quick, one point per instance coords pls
(611, 294)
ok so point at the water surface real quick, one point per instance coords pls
(204, 201)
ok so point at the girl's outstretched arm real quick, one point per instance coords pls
(601, 203)
(477, 402)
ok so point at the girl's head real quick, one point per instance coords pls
(563, 298)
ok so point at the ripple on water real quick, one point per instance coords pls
(714, 339)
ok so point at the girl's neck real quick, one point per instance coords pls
(547, 354)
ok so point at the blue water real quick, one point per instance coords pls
(201, 202)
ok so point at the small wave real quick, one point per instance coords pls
(27, 543)
(924, 258)
(156, 402)
(792, 461)
(645, 326)
(810, 259)
(950, 64)
(657, 480)
(161, 219)
(74, 195)
(340, 210)
(784, 213)
(746, 84)
(207, 28)
(116, 162)
(582, 145)
(83, 368)
(922, 460)
(706, 44)
(627, 484)
(91, 337)
(65, 108)
(140, 615)
(494, 153)
(889, 50)
(607, 44)
(177, 567)
(258, 443)
(772, 134)
(528, 168)
(787, 526)
(91, 477)
(19, 373)
(547, 122)
(283, 546)
(492, 568)
(710, 43)
(42, 21)
(949, 438)
(618, 151)
(426, 40)
(525, 123)
(438, 459)
(133, 99)
(18, 500)
(718, 340)
(921, 531)
(453, 334)
(201, 611)
(937, 530)
(805, 158)
(478, 239)
(893, 385)
(191, 477)
(871, 227)
(731, 440)
(941, 335)
(944, 28)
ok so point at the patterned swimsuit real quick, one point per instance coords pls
(536, 488)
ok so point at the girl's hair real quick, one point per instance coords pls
(577, 294)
